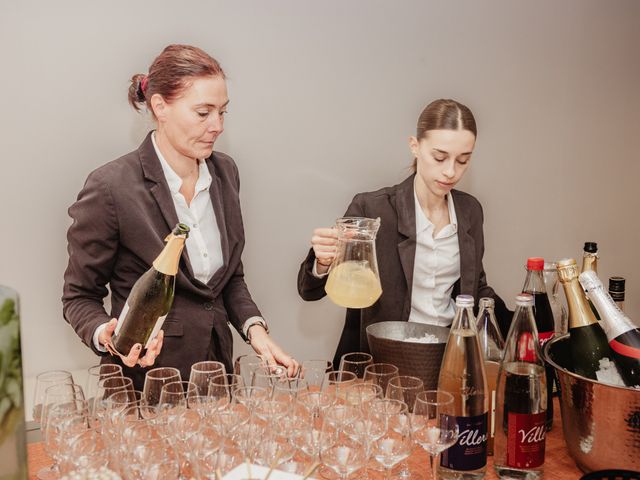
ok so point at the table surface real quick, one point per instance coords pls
(558, 464)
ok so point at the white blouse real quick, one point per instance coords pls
(436, 269)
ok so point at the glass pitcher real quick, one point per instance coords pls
(552, 284)
(354, 281)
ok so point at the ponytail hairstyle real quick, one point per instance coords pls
(170, 73)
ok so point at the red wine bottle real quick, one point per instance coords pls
(623, 336)
(545, 323)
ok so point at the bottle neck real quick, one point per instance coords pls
(534, 283)
(580, 314)
(590, 262)
(614, 321)
(464, 319)
(169, 259)
(522, 343)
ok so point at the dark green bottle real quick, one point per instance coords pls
(151, 297)
(588, 341)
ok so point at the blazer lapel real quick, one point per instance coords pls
(467, 247)
(218, 207)
(406, 212)
(159, 189)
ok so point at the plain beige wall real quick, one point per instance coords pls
(323, 98)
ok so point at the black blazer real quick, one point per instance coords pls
(396, 248)
(120, 220)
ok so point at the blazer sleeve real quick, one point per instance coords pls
(237, 299)
(503, 314)
(92, 244)
(311, 288)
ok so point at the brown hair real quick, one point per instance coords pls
(445, 114)
(170, 73)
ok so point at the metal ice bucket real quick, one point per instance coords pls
(387, 345)
(601, 422)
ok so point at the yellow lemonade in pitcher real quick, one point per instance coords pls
(353, 284)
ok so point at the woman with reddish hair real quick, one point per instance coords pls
(128, 206)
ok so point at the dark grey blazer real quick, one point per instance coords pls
(120, 220)
(396, 248)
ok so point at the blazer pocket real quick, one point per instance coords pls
(173, 328)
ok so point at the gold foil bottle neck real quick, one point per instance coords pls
(567, 269)
(169, 259)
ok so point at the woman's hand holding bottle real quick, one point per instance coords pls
(133, 358)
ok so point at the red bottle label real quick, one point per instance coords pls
(525, 439)
(544, 337)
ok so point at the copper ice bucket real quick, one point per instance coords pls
(388, 344)
(601, 422)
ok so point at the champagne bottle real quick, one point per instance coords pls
(151, 297)
(522, 399)
(491, 345)
(616, 290)
(590, 262)
(462, 374)
(623, 336)
(545, 323)
(588, 341)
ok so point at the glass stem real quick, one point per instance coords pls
(434, 466)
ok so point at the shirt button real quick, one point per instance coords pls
(205, 255)
(195, 225)
(208, 306)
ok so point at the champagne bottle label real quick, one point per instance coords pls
(526, 439)
(154, 332)
(624, 350)
(470, 451)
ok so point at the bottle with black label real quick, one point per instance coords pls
(463, 375)
(590, 263)
(623, 336)
(151, 297)
(616, 290)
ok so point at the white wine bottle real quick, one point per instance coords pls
(151, 297)
(623, 336)
(588, 341)
(463, 375)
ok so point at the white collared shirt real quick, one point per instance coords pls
(203, 244)
(436, 269)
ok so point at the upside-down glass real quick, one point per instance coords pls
(433, 424)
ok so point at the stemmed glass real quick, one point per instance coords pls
(290, 388)
(246, 365)
(97, 373)
(44, 381)
(345, 456)
(337, 382)
(394, 445)
(356, 362)
(314, 371)
(434, 426)
(380, 374)
(203, 372)
(154, 381)
(268, 376)
(176, 394)
(107, 387)
(405, 388)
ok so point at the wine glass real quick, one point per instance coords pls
(337, 382)
(43, 381)
(245, 366)
(434, 425)
(203, 372)
(267, 376)
(344, 456)
(356, 362)
(250, 396)
(361, 394)
(154, 381)
(175, 394)
(316, 403)
(405, 388)
(380, 374)
(314, 371)
(394, 445)
(107, 387)
(97, 373)
(289, 388)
